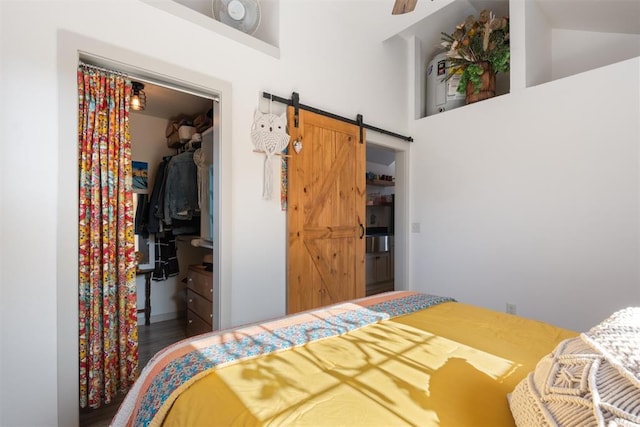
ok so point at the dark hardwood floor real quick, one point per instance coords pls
(151, 339)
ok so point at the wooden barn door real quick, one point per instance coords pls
(326, 212)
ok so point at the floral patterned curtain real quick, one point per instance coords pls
(108, 334)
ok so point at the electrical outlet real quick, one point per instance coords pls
(511, 308)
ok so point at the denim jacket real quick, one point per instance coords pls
(181, 188)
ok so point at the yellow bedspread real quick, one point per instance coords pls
(449, 365)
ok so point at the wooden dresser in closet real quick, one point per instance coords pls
(199, 300)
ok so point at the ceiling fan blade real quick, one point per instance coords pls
(403, 6)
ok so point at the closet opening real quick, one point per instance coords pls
(175, 123)
(178, 292)
(380, 217)
(386, 216)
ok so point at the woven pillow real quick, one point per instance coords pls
(590, 380)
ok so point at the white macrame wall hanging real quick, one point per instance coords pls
(269, 136)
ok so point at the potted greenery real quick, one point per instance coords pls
(477, 50)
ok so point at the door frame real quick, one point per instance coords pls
(402, 205)
(70, 48)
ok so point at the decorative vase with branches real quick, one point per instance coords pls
(477, 50)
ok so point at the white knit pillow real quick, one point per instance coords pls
(590, 380)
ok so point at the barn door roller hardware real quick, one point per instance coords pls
(295, 103)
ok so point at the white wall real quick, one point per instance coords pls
(340, 68)
(533, 198)
(148, 141)
(577, 51)
(536, 197)
(538, 44)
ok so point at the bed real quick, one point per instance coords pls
(399, 358)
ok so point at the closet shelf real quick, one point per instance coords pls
(195, 241)
(202, 243)
(380, 183)
(199, 242)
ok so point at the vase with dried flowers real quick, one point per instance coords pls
(477, 50)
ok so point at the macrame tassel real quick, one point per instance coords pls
(267, 185)
(269, 136)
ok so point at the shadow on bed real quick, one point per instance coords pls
(449, 364)
(353, 380)
(459, 386)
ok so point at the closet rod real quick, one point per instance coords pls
(137, 74)
(106, 70)
(294, 103)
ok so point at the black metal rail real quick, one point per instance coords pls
(295, 103)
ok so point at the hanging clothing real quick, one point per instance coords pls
(166, 263)
(175, 186)
(186, 226)
(156, 202)
(142, 216)
(181, 191)
(108, 332)
(179, 195)
(200, 160)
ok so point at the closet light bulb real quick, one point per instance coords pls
(138, 97)
(135, 102)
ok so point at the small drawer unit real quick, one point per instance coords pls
(199, 300)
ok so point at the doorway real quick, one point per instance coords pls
(152, 144)
(166, 108)
(72, 47)
(380, 217)
(388, 157)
